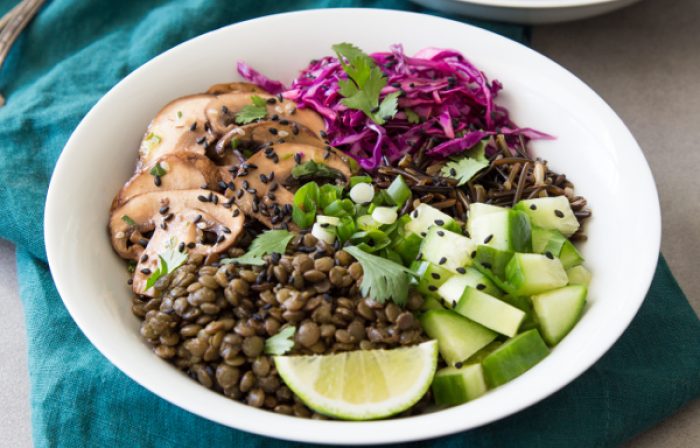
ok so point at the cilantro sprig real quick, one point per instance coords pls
(364, 84)
(252, 112)
(280, 343)
(170, 260)
(382, 279)
(271, 241)
(465, 167)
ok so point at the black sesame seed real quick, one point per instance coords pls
(197, 219)
(181, 246)
(443, 260)
(480, 286)
(323, 134)
(194, 126)
(486, 264)
(473, 254)
(461, 270)
(423, 234)
(202, 198)
(458, 365)
(144, 258)
(200, 140)
(453, 172)
(157, 181)
(164, 225)
(533, 207)
(435, 275)
(295, 129)
(130, 281)
(549, 255)
(297, 158)
(220, 239)
(271, 196)
(272, 131)
(164, 209)
(236, 212)
(326, 155)
(414, 214)
(325, 224)
(244, 185)
(487, 239)
(432, 288)
(143, 242)
(440, 233)
(439, 222)
(191, 245)
(559, 213)
(454, 304)
(239, 194)
(252, 191)
(168, 217)
(263, 178)
(226, 230)
(213, 198)
(146, 271)
(284, 122)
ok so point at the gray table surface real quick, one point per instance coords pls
(645, 62)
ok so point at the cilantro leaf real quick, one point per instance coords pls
(271, 241)
(366, 81)
(465, 167)
(252, 112)
(387, 108)
(411, 116)
(280, 343)
(158, 170)
(382, 279)
(170, 260)
(127, 219)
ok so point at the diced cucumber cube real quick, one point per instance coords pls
(500, 228)
(425, 216)
(490, 312)
(451, 291)
(578, 275)
(550, 213)
(430, 277)
(529, 274)
(432, 303)
(447, 249)
(559, 310)
(452, 386)
(514, 357)
(553, 242)
(494, 260)
(458, 337)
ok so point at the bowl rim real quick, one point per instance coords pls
(538, 4)
(345, 433)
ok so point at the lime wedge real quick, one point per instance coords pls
(363, 384)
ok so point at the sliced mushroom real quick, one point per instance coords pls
(178, 127)
(227, 87)
(190, 221)
(254, 135)
(222, 111)
(183, 171)
(262, 187)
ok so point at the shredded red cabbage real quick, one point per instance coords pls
(454, 100)
(263, 81)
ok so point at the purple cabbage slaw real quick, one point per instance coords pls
(453, 98)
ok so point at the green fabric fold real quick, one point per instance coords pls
(71, 55)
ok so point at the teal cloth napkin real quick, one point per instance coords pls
(71, 55)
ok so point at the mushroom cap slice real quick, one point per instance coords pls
(184, 171)
(222, 110)
(261, 197)
(148, 211)
(264, 132)
(218, 89)
(171, 129)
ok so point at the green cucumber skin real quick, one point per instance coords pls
(489, 311)
(525, 282)
(514, 357)
(520, 231)
(496, 259)
(458, 337)
(569, 255)
(456, 386)
(574, 298)
(426, 272)
(543, 215)
(408, 247)
(578, 275)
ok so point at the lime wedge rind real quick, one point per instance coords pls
(294, 370)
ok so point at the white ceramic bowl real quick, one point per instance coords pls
(532, 12)
(593, 148)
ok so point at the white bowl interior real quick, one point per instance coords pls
(593, 148)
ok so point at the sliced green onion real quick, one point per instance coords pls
(399, 191)
(305, 200)
(325, 234)
(385, 215)
(354, 180)
(366, 222)
(346, 228)
(328, 194)
(371, 240)
(330, 220)
(339, 208)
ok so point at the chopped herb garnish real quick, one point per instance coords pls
(252, 112)
(179, 114)
(128, 220)
(269, 242)
(131, 266)
(280, 343)
(365, 83)
(150, 142)
(312, 169)
(411, 116)
(465, 167)
(158, 170)
(170, 260)
(382, 279)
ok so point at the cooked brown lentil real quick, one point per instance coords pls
(211, 321)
